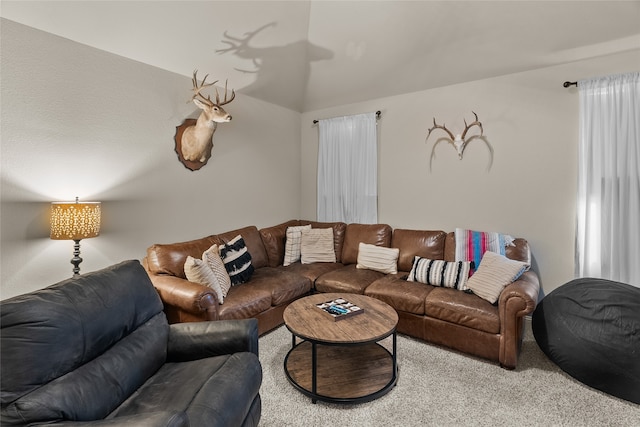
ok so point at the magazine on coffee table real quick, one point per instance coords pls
(339, 308)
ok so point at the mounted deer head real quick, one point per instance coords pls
(197, 139)
(459, 141)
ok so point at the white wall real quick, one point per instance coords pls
(77, 121)
(531, 123)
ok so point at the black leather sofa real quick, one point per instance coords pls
(97, 350)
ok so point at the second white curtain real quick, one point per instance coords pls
(348, 169)
(608, 223)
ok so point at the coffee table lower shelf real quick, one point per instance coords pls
(342, 374)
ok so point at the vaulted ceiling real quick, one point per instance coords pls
(308, 55)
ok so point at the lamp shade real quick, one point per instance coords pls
(75, 220)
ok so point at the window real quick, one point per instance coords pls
(348, 169)
(608, 222)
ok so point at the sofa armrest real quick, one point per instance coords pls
(197, 340)
(516, 301)
(185, 295)
(520, 297)
(150, 419)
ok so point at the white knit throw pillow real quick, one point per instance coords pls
(378, 258)
(292, 244)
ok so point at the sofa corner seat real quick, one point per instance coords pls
(264, 297)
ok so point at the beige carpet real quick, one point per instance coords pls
(439, 387)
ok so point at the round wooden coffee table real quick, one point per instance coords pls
(341, 361)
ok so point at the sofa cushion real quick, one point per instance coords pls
(422, 243)
(400, 294)
(463, 309)
(170, 258)
(378, 258)
(292, 244)
(198, 271)
(312, 271)
(373, 234)
(449, 274)
(494, 274)
(52, 332)
(237, 260)
(317, 246)
(283, 285)
(245, 301)
(93, 390)
(215, 394)
(273, 239)
(252, 240)
(347, 279)
(519, 251)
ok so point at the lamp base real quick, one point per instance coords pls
(76, 260)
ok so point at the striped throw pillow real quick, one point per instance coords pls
(198, 271)
(440, 273)
(237, 260)
(494, 274)
(378, 258)
(316, 245)
(292, 244)
(212, 258)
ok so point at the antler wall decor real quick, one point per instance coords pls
(459, 141)
(194, 137)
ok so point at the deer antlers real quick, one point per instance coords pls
(443, 127)
(198, 88)
(468, 126)
(459, 141)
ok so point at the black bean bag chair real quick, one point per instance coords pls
(590, 328)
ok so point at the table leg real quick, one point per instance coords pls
(395, 359)
(314, 361)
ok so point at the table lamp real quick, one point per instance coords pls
(75, 221)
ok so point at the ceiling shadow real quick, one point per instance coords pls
(281, 72)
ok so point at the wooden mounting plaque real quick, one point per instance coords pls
(191, 165)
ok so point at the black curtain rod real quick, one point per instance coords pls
(377, 117)
(567, 84)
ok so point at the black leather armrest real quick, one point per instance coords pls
(197, 340)
(151, 419)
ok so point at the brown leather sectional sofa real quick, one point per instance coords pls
(444, 316)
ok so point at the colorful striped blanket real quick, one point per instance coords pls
(471, 245)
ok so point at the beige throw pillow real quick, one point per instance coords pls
(292, 244)
(494, 274)
(316, 245)
(378, 258)
(198, 271)
(212, 258)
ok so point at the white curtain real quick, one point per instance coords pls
(348, 169)
(608, 223)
